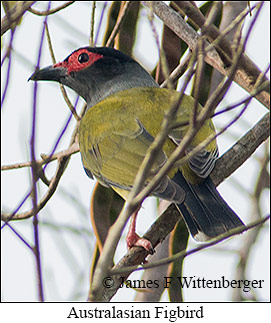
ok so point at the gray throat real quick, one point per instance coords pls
(134, 76)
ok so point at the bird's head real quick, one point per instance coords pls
(96, 72)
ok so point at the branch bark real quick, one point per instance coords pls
(241, 150)
(14, 15)
(247, 73)
(124, 268)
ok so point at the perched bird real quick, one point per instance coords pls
(125, 110)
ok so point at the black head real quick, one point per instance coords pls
(96, 72)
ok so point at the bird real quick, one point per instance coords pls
(125, 110)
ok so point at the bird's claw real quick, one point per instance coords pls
(133, 240)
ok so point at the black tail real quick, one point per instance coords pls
(205, 212)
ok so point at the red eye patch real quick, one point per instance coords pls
(79, 60)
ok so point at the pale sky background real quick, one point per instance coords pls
(65, 254)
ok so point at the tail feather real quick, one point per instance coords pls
(205, 212)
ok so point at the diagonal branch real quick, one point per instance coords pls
(241, 150)
(52, 11)
(247, 72)
(159, 230)
(123, 12)
(62, 164)
(14, 14)
(184, 253)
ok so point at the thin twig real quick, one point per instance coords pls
(178, 71)
(241, 150)
(15, 14)
(8, 54)
(46, 158)
(252, 236)
(35, 177)
(20, 236)
(52, 11)
(92, 21)
(247, 71)
(62, 163)
(161, 52)
(123, 12)
(64, 93)
(100, 22)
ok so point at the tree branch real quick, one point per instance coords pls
(247, 72)
(62, 164)
(161, 228)
(241, 150)
(123, 12)
(14, 15)
(52, 11)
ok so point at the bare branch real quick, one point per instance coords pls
(252, 236)
(14, 15)
(45, 158)
(159, 230)
(35, 176)
(241, 150)
(62, 164)
(247, 72)
(215, 241)
(63, 91)
(52, 11)
(122, 14)
(92, 21)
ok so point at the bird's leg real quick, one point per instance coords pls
(133, 239)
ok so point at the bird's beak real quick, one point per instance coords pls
(49, 73)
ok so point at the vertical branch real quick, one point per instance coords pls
(161, 52)
(232, 10)
(122, 13)
(251, 237)
(199, 52)
(201, 55)
(63, 91)
(8, 55)
(100, 23)
(34, 172)
(91, 36)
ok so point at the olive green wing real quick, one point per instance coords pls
(201, 163)
(115, 156)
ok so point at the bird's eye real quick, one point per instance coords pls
(82, 58)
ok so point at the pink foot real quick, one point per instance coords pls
(133, 239)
